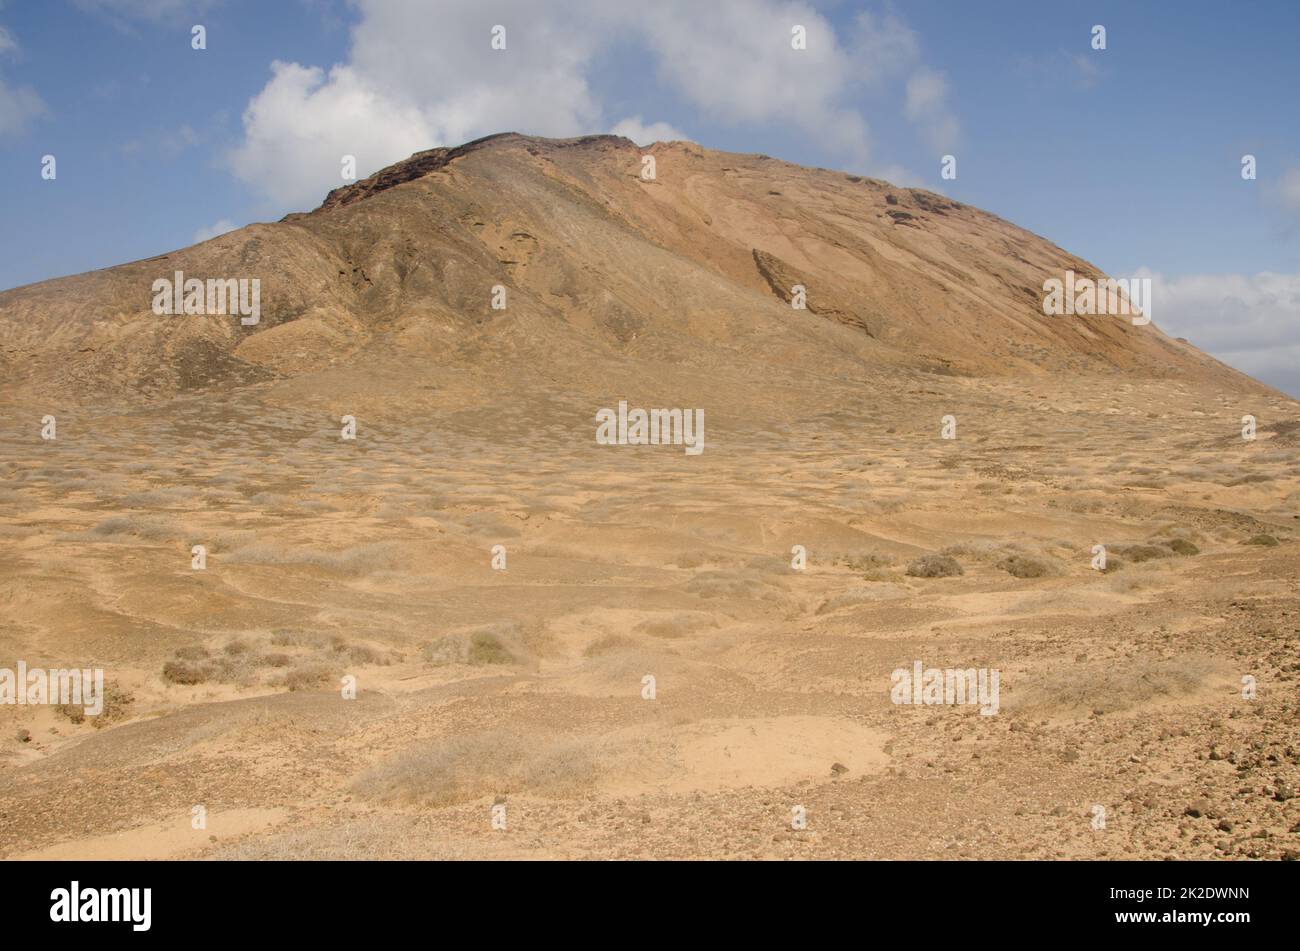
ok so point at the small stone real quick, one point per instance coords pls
(838, 769)
(24, 736)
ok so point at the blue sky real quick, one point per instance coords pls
(1128, 156)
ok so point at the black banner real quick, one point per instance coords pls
(952, 901)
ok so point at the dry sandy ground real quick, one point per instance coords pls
(523, 687)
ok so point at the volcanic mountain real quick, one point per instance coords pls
(609, 275)
(363, 580)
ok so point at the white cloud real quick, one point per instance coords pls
(1288, 190)
(642, 134)
(220, 228)
(733, 60)
(1249, 321)
(18, 106)
(926, 105)
(444, 65)
(413, 81)
(1086, 69)
(299, 127)
(886, 44)
(925, 92)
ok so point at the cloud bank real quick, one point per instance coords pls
(1250, 321)
(413, 81)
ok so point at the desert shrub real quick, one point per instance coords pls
(114, 703)
(357, 652)
(365, 654)
(1266, 540)
(188, 672)
(240, 662)
(975, 550)
(143, 526)
(866, 561)
(444, 650)
(308, 675)
(487, 648)
(1023, 566)
(1181, 546)
(1248, 479)
(492, 644)
(1109, 688)
(606, 644)
(1140, 553)
(934, 566)
(873, 566)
